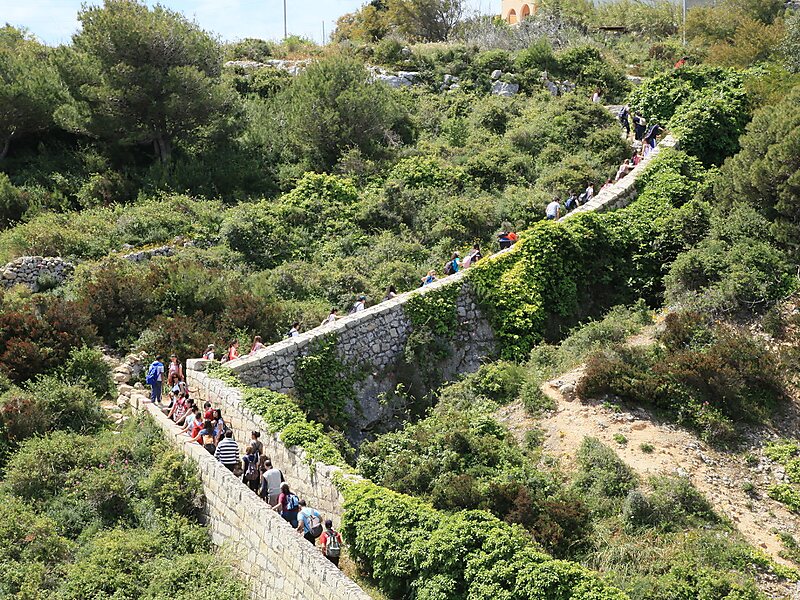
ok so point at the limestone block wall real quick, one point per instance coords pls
(267, 553)
(373, 342)
(27, 270)
(623, 192)
(314, 482)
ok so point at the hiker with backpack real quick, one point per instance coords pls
(294, 331)
(453, 265)
(205, 437)
(310, 524)
(331, 543)
(251, 473)
(624, 115)
(288, 505)
(359, 305)
(473, 257)
(155, 379)
(429, 278)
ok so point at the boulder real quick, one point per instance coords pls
(502, 88)
(496, 74)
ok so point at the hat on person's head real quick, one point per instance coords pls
(328, 524)
(362, 297)
(211, 345)
(159, 357)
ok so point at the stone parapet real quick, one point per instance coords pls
(264, 549)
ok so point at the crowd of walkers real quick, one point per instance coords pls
(205, 425)
(645, 137)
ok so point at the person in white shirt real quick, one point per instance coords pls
(553, 210)
(330, 318)
(360, 304)
(295, 330)
(589, 192)
(271, 483)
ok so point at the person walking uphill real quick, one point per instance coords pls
(310, 524)
(331, 543)
(288, 505)
(155, 379)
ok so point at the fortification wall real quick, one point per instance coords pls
(264, 549)
(372, 342)
(313, 481)
(374, 339)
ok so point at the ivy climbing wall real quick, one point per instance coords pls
(364, 372)
(347, 373)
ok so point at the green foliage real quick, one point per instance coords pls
(38, 333)
(409, 548)
(284, 416)
(763, 174)
(324, 384)
(87, 366)
(559, 272)
(601, 473)
(673, 504)
(709, 377)
(111, 515)
(693, 102)
(30, 91)
(785, 494)
(47, 404)
(737, 266)
(333, 107)
(169, 93)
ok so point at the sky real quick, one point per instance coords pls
(54, 21)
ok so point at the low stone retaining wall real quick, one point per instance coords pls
(33, 270)
(265, 550)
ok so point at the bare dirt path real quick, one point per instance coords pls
(720, 476)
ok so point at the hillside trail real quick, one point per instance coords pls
(719, 475)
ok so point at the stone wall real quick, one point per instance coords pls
(266, 552)
(373, 342)
(314, 482)
(29, 270)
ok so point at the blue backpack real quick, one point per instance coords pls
(152, 373)
(292, 503)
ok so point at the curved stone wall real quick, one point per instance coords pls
(265, 550)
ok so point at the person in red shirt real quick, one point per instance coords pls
(331, 543)
(681, 62)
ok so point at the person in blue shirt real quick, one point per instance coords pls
(155, 379)
(310, 524)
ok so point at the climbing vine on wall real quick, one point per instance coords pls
(324, 384)
(283, 416)
(434, 319)
(561, 272)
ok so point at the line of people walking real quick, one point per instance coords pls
(206, 426)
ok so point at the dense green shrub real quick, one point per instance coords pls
(47, 404)
(409, 548)
(560, 272)
(673, 504)
(709, 377)
(601, 473)
(88, 366)
(763, 174)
